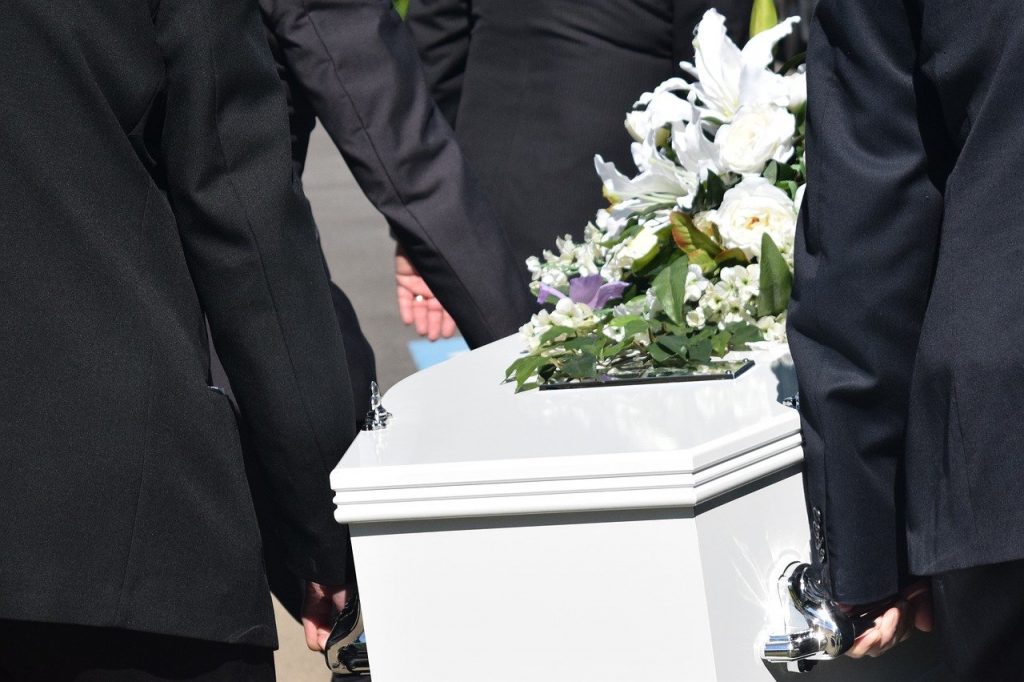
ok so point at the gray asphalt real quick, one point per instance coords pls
(360, 254)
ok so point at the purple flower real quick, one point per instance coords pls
(591, 290)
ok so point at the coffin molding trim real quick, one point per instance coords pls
(621, 487)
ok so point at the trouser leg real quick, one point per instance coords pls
(979, 617)
(32, 652)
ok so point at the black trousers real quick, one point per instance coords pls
(43, 652)
(979, 618)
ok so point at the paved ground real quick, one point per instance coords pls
(360, 254)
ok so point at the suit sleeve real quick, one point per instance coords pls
(253, 254)
(865, 257)
(357, 64)
(441, 30)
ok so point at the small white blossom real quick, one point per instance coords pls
(696, 283)
(572, 315)
(634, 306)
(695, 318)
(615, 333)
(744, 281)
(531, 332)
(773, 328)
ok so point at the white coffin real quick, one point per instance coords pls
(622, 533)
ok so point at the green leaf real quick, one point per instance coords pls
(792, 63)
(670, 289)
(700, 350)
(776, 280)
(524, 368)
(688, 238)
(582, 366)
(716, 190)
(788, 186)
(659, 354)
(677, 345)
(706, 263)
(587, 343)
(720, 343)
(763, 16)
(709, 193)
(630, 324)
(742, 334)
(554, 333)
(732, 257)
(614, 349)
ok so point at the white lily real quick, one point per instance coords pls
(662, 183)
(728, 77)
(659, 108)
(695, 152)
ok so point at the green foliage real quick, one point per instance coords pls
(776, 283)
(670, 289)
(763, 17)
(402, 6)
(710, 193)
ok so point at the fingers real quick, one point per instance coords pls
(317, 610)
(417, 306)
(405, 304)
(448, 327)
(403, 266)
(435, 316)
(919, 598)
(864, 644)
(889, 630)
(880, 638)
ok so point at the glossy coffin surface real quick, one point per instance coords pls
(461, 443)
(623, 533)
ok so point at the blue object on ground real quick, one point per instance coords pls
(429, 353)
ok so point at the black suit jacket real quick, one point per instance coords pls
(908, 308)
(535, 88)
(146, 180)
(353, 66)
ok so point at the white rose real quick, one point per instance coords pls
(756, 136)
(752, 209)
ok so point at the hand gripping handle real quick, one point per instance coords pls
(829, 631)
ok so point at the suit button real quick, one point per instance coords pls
(821, 554)
(817, 514)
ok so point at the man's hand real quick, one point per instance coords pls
(416, 303)
(913, 611)
(319, 607)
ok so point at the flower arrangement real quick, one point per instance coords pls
(693, 256)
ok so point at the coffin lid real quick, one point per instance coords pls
(463, 444)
